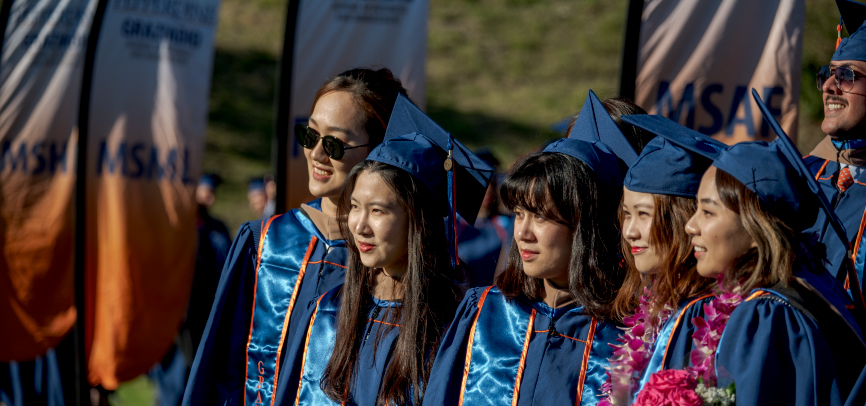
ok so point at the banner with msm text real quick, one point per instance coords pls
(42, 59)
(147, 117)
(332, 36)
(699, 60)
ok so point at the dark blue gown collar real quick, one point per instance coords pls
(386, 303)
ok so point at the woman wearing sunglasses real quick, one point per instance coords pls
(371, 340)
(780, 332)
(662, 292)
(277, 266)
(540, 336)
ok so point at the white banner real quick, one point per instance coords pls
(698, 61)
(332, 36)
(147, 119)
(40, 82)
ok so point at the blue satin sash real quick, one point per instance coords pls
(317, 352)
(498, 343)
(287, 242)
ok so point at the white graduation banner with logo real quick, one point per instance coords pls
(148, 112)
(332, 36)
(699, 60)
(43, 50)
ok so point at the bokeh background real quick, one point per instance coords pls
(499, 73)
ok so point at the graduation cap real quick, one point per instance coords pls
(795, 157)
(665, 168)
(765, 168)
(594, 124)
(415, 143)
(256, 183)
(210, 179)
(597, 141)
(852, 48)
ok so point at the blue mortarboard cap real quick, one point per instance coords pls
(415, 143)
(590, 142)
(852, 48)
(597, 156)
(763, 167)
(795, 157)
(665, 168)
(594, 124)
(255, 184)
(210, 179)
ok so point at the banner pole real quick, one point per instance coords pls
(282, 126)
(631, 43)
(82, 385)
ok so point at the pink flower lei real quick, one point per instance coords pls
(709, 330)
(632, 355)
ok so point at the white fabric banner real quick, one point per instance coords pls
(699, 60)
(40, 83)
(332, 36)
(147, 119)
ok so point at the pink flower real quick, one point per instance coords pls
(651, 396)
(684, 397)
(671, 379)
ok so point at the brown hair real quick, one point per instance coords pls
(772, 261)
(565, 190)
(430, 295)
(375, 92)
(677, 278)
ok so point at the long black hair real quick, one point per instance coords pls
(430, 294)
(562, 188)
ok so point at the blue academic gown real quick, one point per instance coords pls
(850, 206)
(275, 268)
(783, 346)
(498, 349)
(308, 355)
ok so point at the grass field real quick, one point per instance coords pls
(499, 73)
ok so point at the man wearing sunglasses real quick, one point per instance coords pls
(839, 161)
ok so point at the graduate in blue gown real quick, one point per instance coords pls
(838, 162)
(371, 340)
(792, 340)
(276, 267)
(540, 336)
(662, 288)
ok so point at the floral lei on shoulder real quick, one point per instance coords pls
(632, 355)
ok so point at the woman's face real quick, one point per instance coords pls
(544, 245)
(379, 225)
(335, 114)
(638, 209)
(717, 233)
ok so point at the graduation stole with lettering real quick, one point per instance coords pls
(283, 254)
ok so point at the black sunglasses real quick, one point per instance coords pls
(332, 146)
(843, 75)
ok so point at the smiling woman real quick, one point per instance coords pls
(278, 266)
(371, 340)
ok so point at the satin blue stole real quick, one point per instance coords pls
(317, 352)
(498, 343)
(288, 241)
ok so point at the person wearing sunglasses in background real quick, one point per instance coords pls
(278, 266)
(838, 162)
